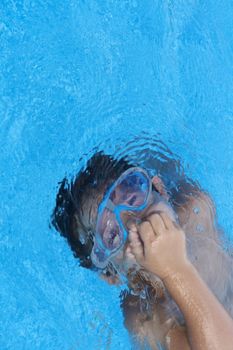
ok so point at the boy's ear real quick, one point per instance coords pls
(110, 279)
(159, 185)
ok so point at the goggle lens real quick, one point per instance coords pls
(132, 191)
(109, 230)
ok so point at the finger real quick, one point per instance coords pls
(136, 245)
(168, 222)
(146, 232)
(129, 254)
(157, 223)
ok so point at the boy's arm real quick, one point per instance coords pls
(209, 326)
(159, 246)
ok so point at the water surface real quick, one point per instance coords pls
(80, 75)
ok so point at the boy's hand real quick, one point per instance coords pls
(158, 245)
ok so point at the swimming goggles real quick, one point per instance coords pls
(131, 192)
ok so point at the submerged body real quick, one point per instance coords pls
(209, 326)
(151, 314)
(163, 323)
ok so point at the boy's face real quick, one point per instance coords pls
(122, 261)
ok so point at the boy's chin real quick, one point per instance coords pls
(125, 265)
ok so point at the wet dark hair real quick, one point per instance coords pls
(68, 216)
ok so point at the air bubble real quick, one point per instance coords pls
(200, 228)
(196, 210)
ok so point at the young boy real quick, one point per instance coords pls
(94, 214)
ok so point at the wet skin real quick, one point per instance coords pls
(155, 328)
(209, 325)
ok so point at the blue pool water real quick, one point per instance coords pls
(80, 75)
